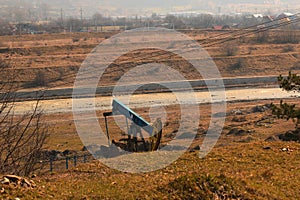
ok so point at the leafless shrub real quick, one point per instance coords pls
(60, 74)
(75, 40)
(262, 37)
(22, 135)
(287, 37)
(40, 79)
(231, 49)
(236, 66)
(3, 64)
(296, 66)
(288, 48)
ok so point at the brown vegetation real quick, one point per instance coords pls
(51, 54)
(21, 136)
(249, 161)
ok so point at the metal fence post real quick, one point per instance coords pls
(75, 161)
(51, 165)
(67, 163)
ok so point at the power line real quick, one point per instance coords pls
(264, 24)
(219, 41)
(61, 17)
(81, 17)
(250, 32)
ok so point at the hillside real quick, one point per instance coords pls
(59, 56)
(244, 165)
(249, 161)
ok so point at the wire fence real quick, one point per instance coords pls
(64, 163)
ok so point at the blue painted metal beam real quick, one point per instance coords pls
(119, 108)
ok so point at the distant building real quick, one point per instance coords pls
(258, 15)
(218, 27)
(268, 18)
(267, 21)
(254, 16)
(189, 13)
(285, 15)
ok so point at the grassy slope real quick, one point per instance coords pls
(59, 58)
(244, 166)
(253, 173)
(259, 173)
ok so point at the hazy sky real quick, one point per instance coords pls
(140, 7)
(204, 5)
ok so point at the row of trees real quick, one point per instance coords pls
(170, 21)
(24, 11)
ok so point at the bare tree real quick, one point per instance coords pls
(74, 24)
(97, 18)
(287, 37)
(231, 48)
(5, 28)
(176, 22)
(22, 136)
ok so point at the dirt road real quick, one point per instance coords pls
(148, 100)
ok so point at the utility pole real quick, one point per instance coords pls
(125, 27)
(95, 25)
(61, 17)
(219, 10)
(81, 18)
(20, 26)
(30, 15)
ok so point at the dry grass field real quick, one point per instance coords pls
(248, 162)
(58, 57)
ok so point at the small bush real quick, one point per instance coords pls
(250, 49)
(75, 40)
(288, 48)
(296, 66)
(231, 49)
(39, 80)
(195, 186)
(73, 68)
(60, 74)
(236, 66)
(287, 37)
(262, 37)
(38, 52)
(291, 136)
(4, 64)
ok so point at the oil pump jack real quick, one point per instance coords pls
(135, 142)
